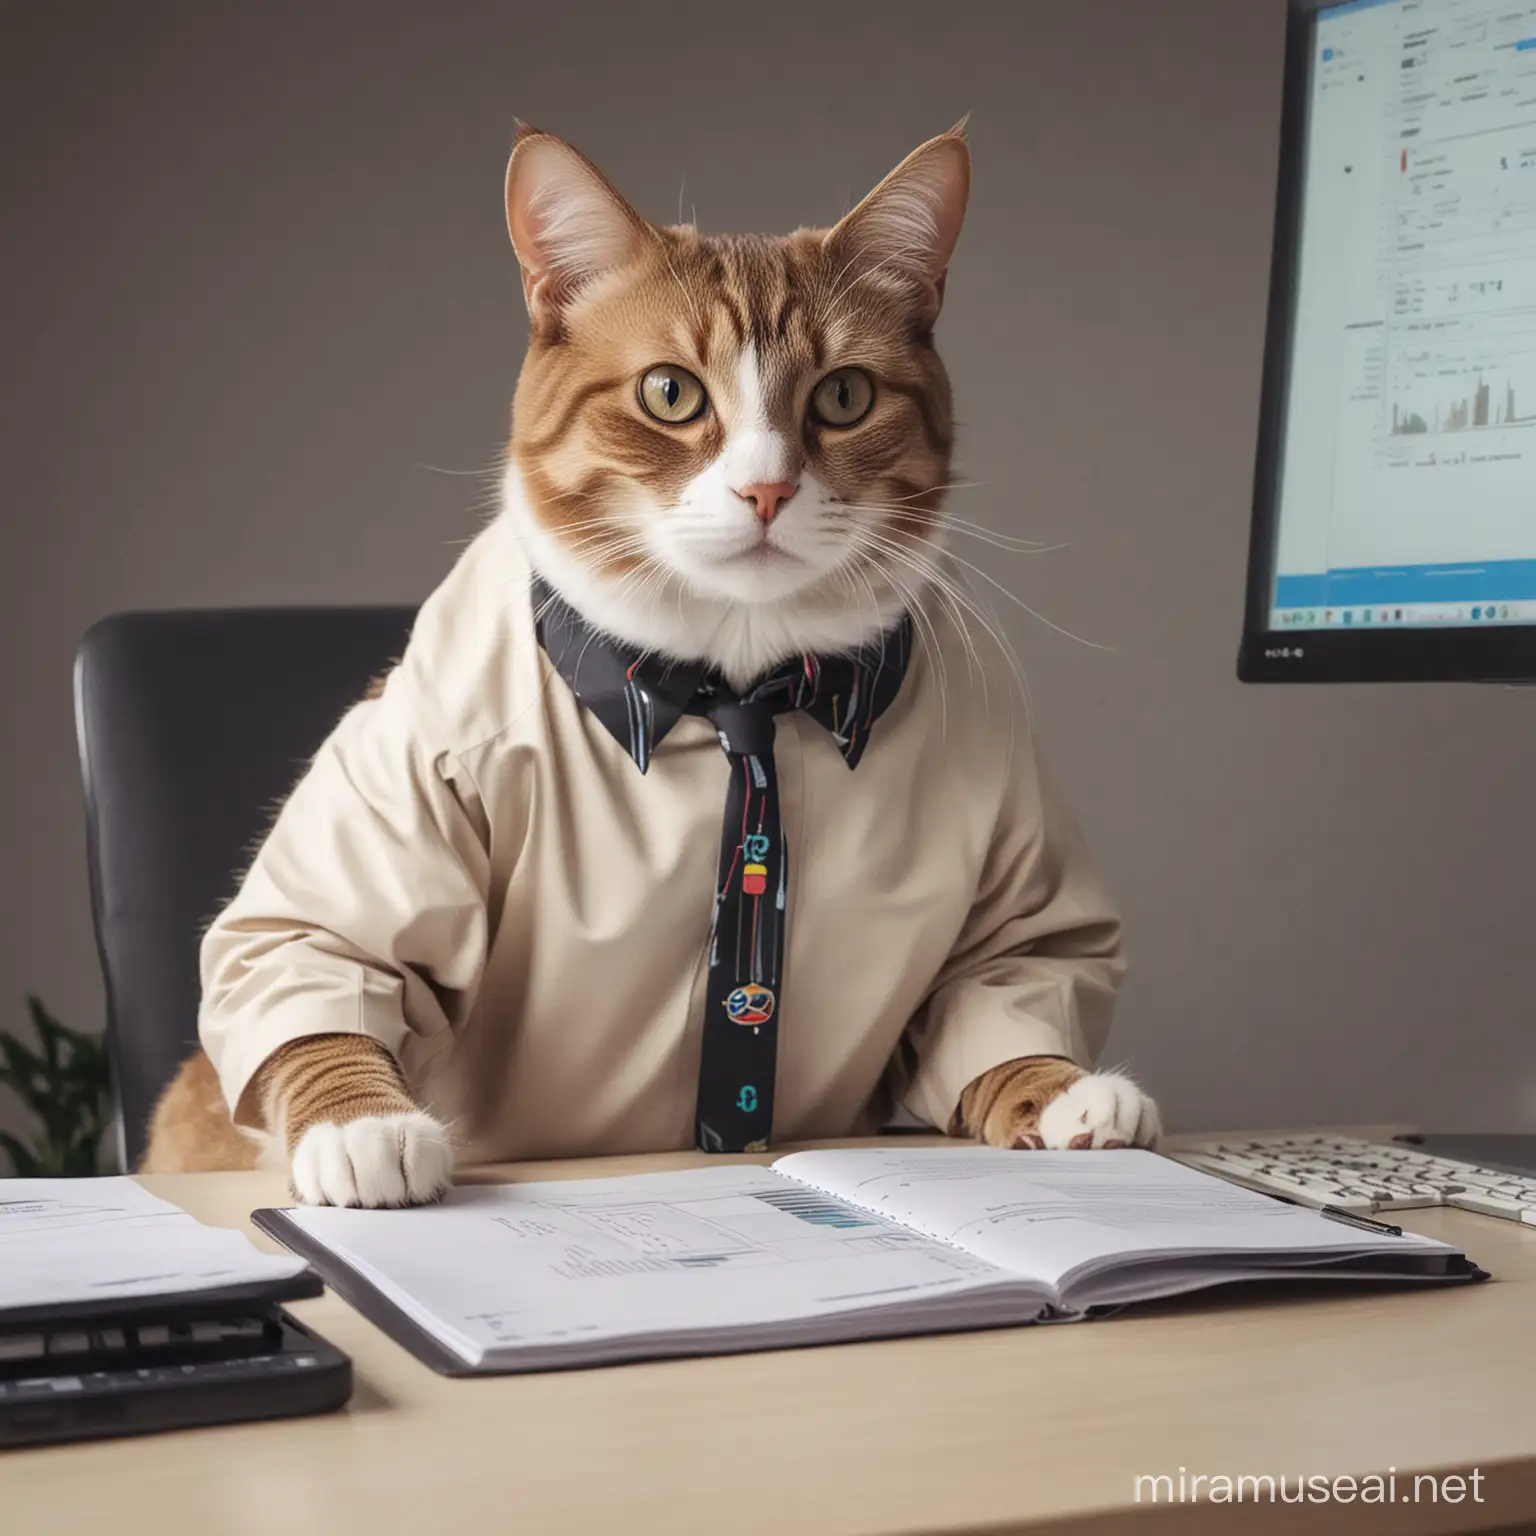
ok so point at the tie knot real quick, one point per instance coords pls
(745, 727)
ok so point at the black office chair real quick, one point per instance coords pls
(193, 726)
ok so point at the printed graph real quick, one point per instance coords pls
(818, 1210)
(1480, 408)
(1462, 375)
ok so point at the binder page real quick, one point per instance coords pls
(72, 1240)
(496, 1269)
(1055, 1216)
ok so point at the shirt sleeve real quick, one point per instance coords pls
(1037, 964)
(365, 910)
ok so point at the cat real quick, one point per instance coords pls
(732, 449)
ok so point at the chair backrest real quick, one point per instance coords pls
(193, 726)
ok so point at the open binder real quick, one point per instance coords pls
(821, 1247)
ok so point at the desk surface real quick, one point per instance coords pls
(1022, 1429)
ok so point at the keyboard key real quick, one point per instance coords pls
(1486, 1203)
(1408, 1200)
(1365, 1177)
(1310, 1193)
(1487, 1178)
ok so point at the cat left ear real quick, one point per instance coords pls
(910, 223)
(568, 225)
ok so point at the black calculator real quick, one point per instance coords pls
(82, 1374)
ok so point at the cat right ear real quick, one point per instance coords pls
(908, 226)
(568, 225)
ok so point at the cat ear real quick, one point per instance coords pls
(568, 225)
(910, 223)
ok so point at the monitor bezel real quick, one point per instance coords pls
(1496, 653)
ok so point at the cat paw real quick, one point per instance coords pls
(378, 1160)
(1101, 1109)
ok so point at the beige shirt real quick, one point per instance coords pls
(474, 873)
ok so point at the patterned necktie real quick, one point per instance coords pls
(639, 698)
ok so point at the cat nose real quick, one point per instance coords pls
(767, 496)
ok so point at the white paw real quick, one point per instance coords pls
(1101, 1109)
(379, 1160)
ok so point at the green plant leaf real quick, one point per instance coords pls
(50, 1033)
(68, 1090)
(23, 1163)
(21, 1064)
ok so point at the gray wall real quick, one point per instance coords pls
(254, 281)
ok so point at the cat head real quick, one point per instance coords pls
(732, 447)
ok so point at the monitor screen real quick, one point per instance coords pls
(1404, 442)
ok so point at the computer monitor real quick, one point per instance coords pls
(1394, 528)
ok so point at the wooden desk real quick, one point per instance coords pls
(1022, 1430)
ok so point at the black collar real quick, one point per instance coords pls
(640, 696)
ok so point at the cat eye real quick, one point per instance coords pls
(843, 397)
(672, 394)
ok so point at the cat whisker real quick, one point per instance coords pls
(837, 277)
(952, 485)
(994, 629)
(1002, 541)
(931, 515)
(958, 608)
(489, 472)
(687, 293)
(637, 583)
(971, 603)
(999, 638)
(1034, 613)
(932, 579)
(586, 522)
(622, 540)
(927, 634)
(897, 255)
(604, 546)
(863, 576)
(650, 584)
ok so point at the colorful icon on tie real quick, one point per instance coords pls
(754, 879)
(746, 1100)
(751, 1005)
(756, 847)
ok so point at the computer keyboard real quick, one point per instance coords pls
(132, 1375)
(1363, 1176)
(145, 1344)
